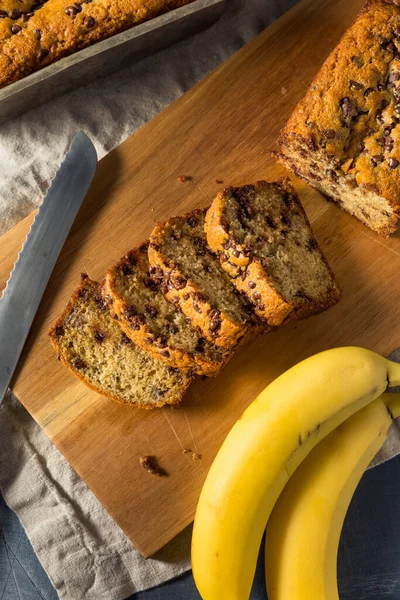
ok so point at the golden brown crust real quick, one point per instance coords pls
(351, 111)
(85, 284)
(191, 299)
(141, 334)
(61, 27)
(246, 269)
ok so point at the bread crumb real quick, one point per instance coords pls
(183, 178)
(219, 181)
(186, 451)
(150, 464)
(196, 456)
(284, 91)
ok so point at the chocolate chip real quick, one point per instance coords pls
(100, 302)
(43, 53)
(38, 34)
(3, 14)
(379, 117)
(200, 345)
(125, 339)
(89, 22)
(151, 310)
(148, 340)
(59, 330)
(381, 87)
(192, 221)
(394, 76)
(396, 32)
(136, 322)
(196, 307)
(311, 245)
(383, 42)
(214, 313)
(384, 104)
(381, 140)
(150, 284)
(252, 285)
(214, 325)
(199, 246)
(393, 163)
(126, 269)
(227, 245)
(397, 109)
(80, 364)
(329, 134)
(223, 258)
(236, 253)
(270, 222)
(346, 106)
(261, 306)
(179, 283)
(26, 16)
(161, 342)
(285, 220)
(369, 132)
(99, 336)
(376, 159)
(200, 297)
(243, 274)
(355, 85)
(129, 311)
(256, 296)
(165, 353)
(15, 14)
(360, 147)
(186, 296)
(15, 28)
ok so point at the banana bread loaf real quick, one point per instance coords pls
(91, 343)
(266, 244)
(154, 323)
(344, 135)
(190, 275)
(36, 33)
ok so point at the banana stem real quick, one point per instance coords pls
(393, 373)
(392, 401)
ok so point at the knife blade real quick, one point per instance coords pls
(40, 250)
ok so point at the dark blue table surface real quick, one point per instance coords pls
(369, 556)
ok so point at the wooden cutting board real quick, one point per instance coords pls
(222, 129)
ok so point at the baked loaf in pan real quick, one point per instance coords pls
(92, 345)
(190, 275)
(154, 323)
(35, 33)
(266, 244)
(344, 136)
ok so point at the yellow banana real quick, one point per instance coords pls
(265, 446)
(304, 528)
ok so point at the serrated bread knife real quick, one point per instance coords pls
(39, 253)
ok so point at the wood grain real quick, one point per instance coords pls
(222, 129)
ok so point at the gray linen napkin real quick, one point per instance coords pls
(85, 554)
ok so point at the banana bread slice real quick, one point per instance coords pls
(154, 323)
(266, 244)
(190, 275)
(92, 345)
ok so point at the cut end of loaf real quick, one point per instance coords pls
(92, 345)
(327, 176)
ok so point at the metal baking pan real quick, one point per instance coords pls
(107, 56)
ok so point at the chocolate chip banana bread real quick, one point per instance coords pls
(36, 33)
(154, 323)
(344, 135)
(190, 275)
(266, 244)
(93, 346)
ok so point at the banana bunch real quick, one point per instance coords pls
(267, 444)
